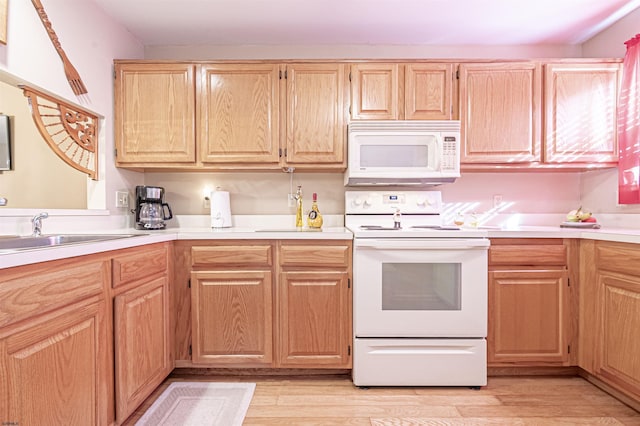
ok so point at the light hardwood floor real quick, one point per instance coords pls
(335, 400)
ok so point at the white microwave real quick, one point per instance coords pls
(408, 152)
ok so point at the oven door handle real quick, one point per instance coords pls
(424, 244)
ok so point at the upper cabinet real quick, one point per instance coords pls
(252, 116)
(500, 112)
(238, 111)
(393, 91)
(531, 114)
(154, 113)
(267, 115)
(316, 110)
(580, 112)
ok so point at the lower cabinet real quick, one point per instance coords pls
(243, 317)
(529, 303)
(54, 346)
(60, 337)
(610, 314)
(232, 317)
(141, 324)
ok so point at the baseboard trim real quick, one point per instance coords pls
(259, 372)
(532, 371)
(616, 393)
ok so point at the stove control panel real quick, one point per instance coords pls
(381, 202)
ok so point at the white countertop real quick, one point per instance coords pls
(271, 228)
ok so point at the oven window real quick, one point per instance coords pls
(421, 286)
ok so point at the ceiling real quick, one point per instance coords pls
(370, 22)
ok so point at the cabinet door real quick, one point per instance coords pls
(315, 320)
(428, 91)
(232, 318)
(500, 113)
(142, 330)
(619, 340)
(316, 129)
(528, 317)
(57, 370)
(238, 107)
(374, 91)
(581, 113)
(155, 113)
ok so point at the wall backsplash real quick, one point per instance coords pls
(266, 193)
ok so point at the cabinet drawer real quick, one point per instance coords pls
(137, 263)
(228, 255)
(618, 257)
(28, 291)
(315, 255)
(528, 254)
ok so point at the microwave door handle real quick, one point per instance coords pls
(427, 244)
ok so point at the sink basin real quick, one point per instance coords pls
(290, 230)
(28, 243)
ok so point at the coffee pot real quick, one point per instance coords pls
(151, 210)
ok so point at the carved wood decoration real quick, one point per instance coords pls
(70, 131)
(69, 70)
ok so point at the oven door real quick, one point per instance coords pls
(434, 287)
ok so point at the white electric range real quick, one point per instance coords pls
(420, 292)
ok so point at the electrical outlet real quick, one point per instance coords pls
(122, 199)
(291, 200)
(207, 203)
(497, 201)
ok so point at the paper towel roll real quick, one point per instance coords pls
(220, 209)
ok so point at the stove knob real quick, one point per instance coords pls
(357, 201)
(367, 202)
(421, 201)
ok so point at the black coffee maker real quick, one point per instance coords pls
(151, 210)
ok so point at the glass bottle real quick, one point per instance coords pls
(314, 218)
(299, 223)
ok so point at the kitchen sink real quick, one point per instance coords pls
(290, 230)
(15, 243)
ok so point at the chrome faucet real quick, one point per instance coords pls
(36, 223)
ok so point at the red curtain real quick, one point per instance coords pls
(629, 126)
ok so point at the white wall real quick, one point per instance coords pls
(610, 42)
(359, 52)
(599, 189)
(91, 40)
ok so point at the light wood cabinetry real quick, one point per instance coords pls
(529, 303)
(500, 112)
(537, 114)
(60, 323)
(141, 325)
(314, 305)
(239, 114)
(154, 114)
(54, 347)
(581, 112)
(402, 91)
(316, 110)
(268, 304)
(232, 304)
(252, 116)
(610, 314)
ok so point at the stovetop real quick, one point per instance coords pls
(373, 214)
